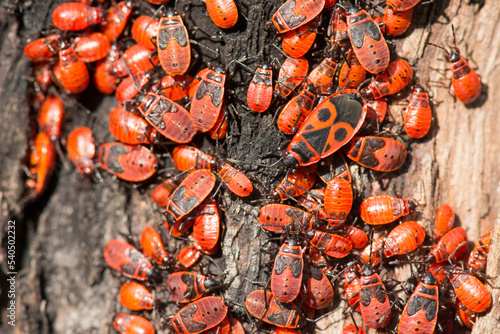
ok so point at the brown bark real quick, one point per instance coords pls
(63, 283)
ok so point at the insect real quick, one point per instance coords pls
(125, 323)
(74, 16)
(337, 28)
(338, 201)
(372, 253)
(190, 193)
(223, 328)
(330, 125)
(130, 163)
(421, 312)
(293, 14)
(352, 329)
(222, 12)
(207, 102)
(398, 74)
(81, 149)
(286, 277)
(418, 114)
(262, 305)
(260, 90)
(163, 190)
(367, 40)
(356, 236)
(377, 153)
(333, 166)
(318, 289)
(384, 209)
(187, 157)
(236, 326)
(352, 285)
(401, 5)
(470, 291)
(280, 218)
(397, 22)
(174, 48)
(464, 79)
(445, 218)
(116, 19)
(439, 272)
(41, 72)
(144, 30)
(42, 163)
(188, 256)
(219, 130)
(449, 247)
(206, 227)
(200, 315)
(312, 201)
(296, 111)
(186, 287)
(136, 297)
(479, 255)
(352, 73)
(43, 49)
(192, 87)
(92, 47)
(135, 59)
(374, 303)
(293, 185)
(167, 117)
(50, 116)
(153, 247)
(297, 42)
(321, 77)
(174, 88)
(292, 73)
(130, 128)
(132, 85)
(375, 114)
(235, 180)
(467, 317)
(404, 238)
(331, 244)
(125, 258)
(74, 75)
(105, 79)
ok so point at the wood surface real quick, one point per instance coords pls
(64, 286)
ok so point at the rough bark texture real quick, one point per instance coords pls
(63, 284)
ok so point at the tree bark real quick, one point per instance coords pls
(64, 285)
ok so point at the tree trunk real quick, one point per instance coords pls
(63, 283)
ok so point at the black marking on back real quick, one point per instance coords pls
(317, 138)
(175, 33)
(372, 145)
(349, 108)
(114, 153)
(293, 21)
(214, 91)
(187, 315)
(303, 151)
(279, 318)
